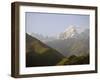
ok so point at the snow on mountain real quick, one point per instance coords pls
(70, 32)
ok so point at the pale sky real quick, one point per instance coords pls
(49, 24)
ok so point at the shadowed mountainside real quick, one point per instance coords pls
(38, 54)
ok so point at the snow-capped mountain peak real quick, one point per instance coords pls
(70, 32)
(71, 27)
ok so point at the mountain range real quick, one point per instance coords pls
(40, 54)
(70, 32)
(73, 40)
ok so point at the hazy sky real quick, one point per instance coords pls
(50, 24)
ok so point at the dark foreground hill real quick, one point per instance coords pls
(39, 54)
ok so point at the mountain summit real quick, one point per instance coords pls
(71, 32)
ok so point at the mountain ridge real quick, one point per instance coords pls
(70, 32)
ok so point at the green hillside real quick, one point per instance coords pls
(39, 54)
(75, 60)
